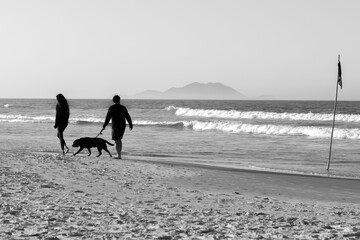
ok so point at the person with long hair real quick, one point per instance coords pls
(62, 120)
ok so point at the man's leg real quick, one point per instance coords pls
(118, 148)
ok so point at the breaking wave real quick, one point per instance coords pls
(46, 119)
(267, 129)
(270, 129)
(85, 121)
(233, 114)
(26, 119)
(82, 120)
(222, 126)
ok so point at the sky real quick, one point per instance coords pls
(95, 49)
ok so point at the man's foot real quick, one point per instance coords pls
(117, 157)
(67, 149)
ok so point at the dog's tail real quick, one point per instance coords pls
(109, 143)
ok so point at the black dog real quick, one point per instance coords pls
(91, 142)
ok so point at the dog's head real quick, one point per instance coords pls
(76, 143)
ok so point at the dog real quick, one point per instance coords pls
(88, 143)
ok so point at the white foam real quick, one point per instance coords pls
(223, 126)
(165, 123)
(270, 129)
(232, 114)
(81, 120)
(43, 119)
(86, 120)
(26, 119)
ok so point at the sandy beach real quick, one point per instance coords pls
(50, 196)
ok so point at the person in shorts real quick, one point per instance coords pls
(118, 115)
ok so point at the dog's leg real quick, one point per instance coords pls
(99, 149)
(89, 152)
(81, 148)
(107, 151)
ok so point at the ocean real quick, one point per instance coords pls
(278, 136)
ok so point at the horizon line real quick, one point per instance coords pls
(182, 99)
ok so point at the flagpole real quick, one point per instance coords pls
(333, 122)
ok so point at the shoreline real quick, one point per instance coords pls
(150, 159)
(52, 196)
(320, 187)
(238, 169)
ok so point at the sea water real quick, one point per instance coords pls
(280, 136)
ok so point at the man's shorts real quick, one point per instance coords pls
(118, 132)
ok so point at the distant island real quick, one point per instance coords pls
(200, 91)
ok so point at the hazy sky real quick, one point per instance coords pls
(94, 49)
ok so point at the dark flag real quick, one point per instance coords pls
(339, 81)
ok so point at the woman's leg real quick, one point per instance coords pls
(60, 135)
(61, 138)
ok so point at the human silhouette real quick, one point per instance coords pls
(62, 120)
(118, 115)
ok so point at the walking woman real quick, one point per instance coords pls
(62, 120)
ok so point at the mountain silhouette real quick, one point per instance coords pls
(194, 90)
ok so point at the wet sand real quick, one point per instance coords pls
(50, 196)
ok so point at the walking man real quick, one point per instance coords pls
(118, 115)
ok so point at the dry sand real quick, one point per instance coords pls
(49, 196)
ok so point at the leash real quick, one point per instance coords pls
(99, 133)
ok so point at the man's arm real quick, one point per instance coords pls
(107, 119)
(128, 119)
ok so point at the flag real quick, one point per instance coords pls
(339, 80)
